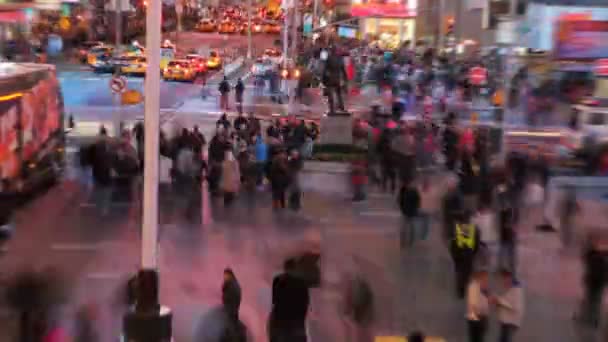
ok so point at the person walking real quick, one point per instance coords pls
(279, 179)
(230, 178)
(231, 295)
(101, 165)
(464, 248)
(239, 89)
(594, 281)
(261, 158)
(510, 306)
(295, 165)
(507, 257)
(224, 89)
(478, 307)
(290, 303)
(409, 203)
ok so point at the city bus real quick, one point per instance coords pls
(32, 142)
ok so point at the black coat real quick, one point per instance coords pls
(290, 298)
(409, 201)
(101, 162)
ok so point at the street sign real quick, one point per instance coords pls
(118, 84)
(478, 75)
(601, 67)
(131, 97)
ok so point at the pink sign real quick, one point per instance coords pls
(387, 10)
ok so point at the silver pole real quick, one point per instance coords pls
(441, 38)
(315, 11)
(118, 12)
(286, 37)
(249, 40)
(149, 250)
(294, 33)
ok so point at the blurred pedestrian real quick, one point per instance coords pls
(224, 89)
(230, 178)
(594, 280)
(464, 248)
(239, 89)
(279, 180)
(223, 122)
(478, 306)
(101, 157)
(295, 165)
(231, 295)
(409, 203)
(510, 306)
(261, 158)
(507, 254)
(290, 304)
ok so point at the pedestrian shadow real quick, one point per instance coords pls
(214, 326)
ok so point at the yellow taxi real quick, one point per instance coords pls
(272, 28)
(180, 70)
(98, 51)
(227, 26)
(134, 65)
(214, 61)
(206, 25)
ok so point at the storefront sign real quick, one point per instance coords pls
(582, 39)
(387, 10)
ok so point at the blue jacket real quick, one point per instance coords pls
(261, 151)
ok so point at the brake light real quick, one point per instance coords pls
(201, 65)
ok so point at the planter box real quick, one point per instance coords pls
(326, 178)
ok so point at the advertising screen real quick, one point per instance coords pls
(347, 32)
(581, 39)
(383, 8)
(37, 107)
(9, 161)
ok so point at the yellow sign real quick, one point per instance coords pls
(131, 97)
(498, 98)
(64, 24)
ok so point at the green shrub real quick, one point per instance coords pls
(338, 153)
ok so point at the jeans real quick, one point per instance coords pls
(414, 228)
(103, 197)
(507, 331)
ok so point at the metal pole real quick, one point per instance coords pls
(286, 37)
(458, 22)
(118, 13)
(294, 33)
(441, 38)
(178, 13)
(249, 40)
(315, 11)
(151, 125)
(148, 321)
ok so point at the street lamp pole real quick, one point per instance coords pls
(148, 321)
(249, 40)
(118, 13)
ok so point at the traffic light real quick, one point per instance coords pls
(328, 3)
(292, 74)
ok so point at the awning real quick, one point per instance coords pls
(12, 17)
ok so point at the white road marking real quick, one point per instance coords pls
(383, 213)
(76, 247)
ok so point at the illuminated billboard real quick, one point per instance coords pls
(581, 39)
(384, 8)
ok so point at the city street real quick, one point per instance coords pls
(412, 290)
